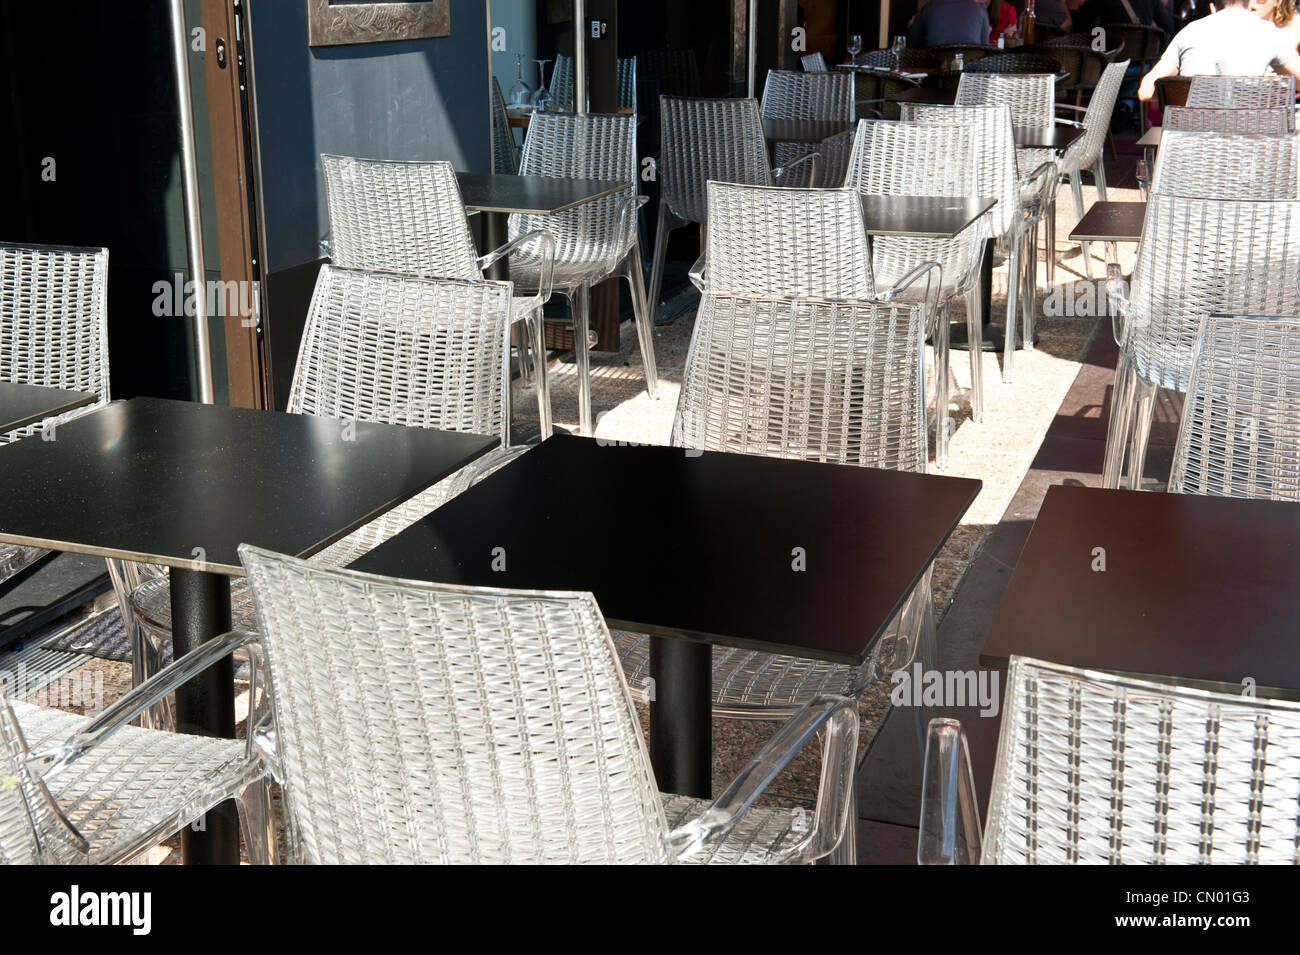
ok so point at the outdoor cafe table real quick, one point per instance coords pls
(783, 556)
(1111, 222)
(922, 217)
(21, 405)
(1201, 590)
(806, 131)
(1057, 138)
(184, 484)
(498, 196)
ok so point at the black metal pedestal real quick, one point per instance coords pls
(496, 233)
(681, 716)
(205, 706)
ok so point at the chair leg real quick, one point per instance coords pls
(537, 332)
(1117, 430)
(1076, 188)
(927, 653)
(255, 822)
(1050, 241)
(665, 226)
(1099, 174)
(1144, 401)
(1013, 296)
(641, 312)
(1031, 288)
(846, 853)
(942, 374)
(581, 322)
(975, 337)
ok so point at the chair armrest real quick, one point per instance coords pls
(1035, 189)
(1117, 302)
(837, 717)
(164, 682)
(548, 258)
(1072, 108)
(699, 272)
(814, 157)
(626, 213)
(933, 273)
(484, 467)
(950, 820)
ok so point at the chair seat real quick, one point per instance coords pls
(137, 784)
(572, 267)
(14, 557)
(759, 838)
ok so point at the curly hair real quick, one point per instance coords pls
(1284, 12)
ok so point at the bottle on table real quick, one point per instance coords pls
(1029, 25)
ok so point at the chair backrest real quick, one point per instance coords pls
(1142, 43)
(54, 321)
(1268, 122)
(1096, 120)
(505, 156)
(764, 240)
(1172, 91)
(808, 379)
(1243, 92)
(562, 82)
(1098, 768)
(814, 63)
(705, 140)
(1240, 430)
(1227, 166)
(590, 146)
(790, 95)
(1015, 63)
(1032, 96)
(405, 217)
(995, 153)
(913, 159)
(1202, 257)
(394, 349)
(428, 723)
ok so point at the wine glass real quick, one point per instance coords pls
(520, 93)
(900, 44)
(855, 46)
(542, 98)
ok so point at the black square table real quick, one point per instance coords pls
(1111, 222)
(1151, 138)
(923, 217)
(184, 484)
(21, 405)
(1196, 590)
(498, 196)
(704, 553)
(1056, 138)
(805, 130)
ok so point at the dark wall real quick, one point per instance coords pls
(417, 99)
(104, 110)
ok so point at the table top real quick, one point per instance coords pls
(1045, 137)
(708, 546)
(923, 94)
(805, 130)
(1111, 222)
(21, 405)
(1151, 138)
(152, 480)
(925, 217)
(530, 195)
(1200, 589)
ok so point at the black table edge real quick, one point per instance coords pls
(71, 405)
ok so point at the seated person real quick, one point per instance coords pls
(1232, 42)
(1002, 17)
(1151, 13)
(949, 21)
(1053, 13)
(1282, 14)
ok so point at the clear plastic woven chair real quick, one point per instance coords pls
(703, 140)
(1095, 768)
(1270, 122)
(1014, 218)
(1197, 257)
(491, 726)
(75, 790)
(814, 380)
(1227, 166)
(911, 159)
(505, 154)
(1270, 91)
(1085, 153)
(814, 63)
(594, 241)
(53, 333)
(423, 353)
(815, 96)
(562, 82)
(1240, 432)
(409, 218)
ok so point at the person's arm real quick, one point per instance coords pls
(1147, 89)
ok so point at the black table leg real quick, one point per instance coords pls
(205, 706)
(496, 233)
(681, 716)
(958, 336)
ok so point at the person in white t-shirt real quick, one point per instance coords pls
(1232, 42)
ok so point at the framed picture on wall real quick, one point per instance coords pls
(339, 22)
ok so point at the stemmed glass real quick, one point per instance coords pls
(542, 98)
(855, 46)
(520, 92)
(900, 44)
